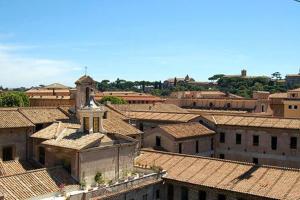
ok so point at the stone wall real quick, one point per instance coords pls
(16, 137)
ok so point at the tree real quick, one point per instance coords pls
(276, 75)
(112, 100)
(14, 99)
(216, 77)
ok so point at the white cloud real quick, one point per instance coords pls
(17, 70)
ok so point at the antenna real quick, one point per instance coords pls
(85, 70)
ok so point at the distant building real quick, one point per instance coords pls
(292, 80)
(287, 104)
(244, 75)
(131, 97)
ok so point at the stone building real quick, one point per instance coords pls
(262, 140)
(292, 80)
(202, 178)
(186, 138)
(286, 105)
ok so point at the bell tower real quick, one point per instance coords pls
(85, 85)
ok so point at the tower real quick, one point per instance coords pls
(85, 85)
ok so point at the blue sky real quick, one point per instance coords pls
(52, 40)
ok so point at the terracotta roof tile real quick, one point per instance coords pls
(158, 107)
(157, 116)
(13, 167)
(12, 118)
(43, 115)
(184, 130)
(264, 122)
(262, 181)
(35, 183)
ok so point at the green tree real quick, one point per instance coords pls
(216, 77)
(14, 99)
(113, 100)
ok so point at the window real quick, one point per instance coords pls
(221, 197)
(228, 105)
(293, 143)
(295, 107)
(290, 107)
(197, 146)
(170, 192)
(157, 141)
(141, 126)
(145, 197)
(212, 144)
(7, 153)
(262, 108)
(211, 104)
(105, 115)
(184, 193)
(255, 140)
(255, 160)
(194, 104)
(274, 142)
(238, 138)
(222, 156)
(157, 194)
(96, 124)
(86, 125)
(87, 96)
(42, 155)
(180, 148)
(202, 195)
(222, 137)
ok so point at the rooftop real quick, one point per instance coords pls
(12, 118)
(262, 181)
(161, 116)
(13, 167)
(39, 115)
(35, 183)
(253, 121)
(186, 130)
(158, 107)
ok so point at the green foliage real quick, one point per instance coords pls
(112, 100)
(98, 178)
(216, 77)
(14, 99)
(246, 86)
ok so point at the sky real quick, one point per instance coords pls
(42, 42)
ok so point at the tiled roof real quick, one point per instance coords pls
(35, 183)
(43, 114)
(75, 140)
(186, 130)
(262, 181)
(13, 167)
(12, 118)
(84, 79)
(56, 86)
(265, 122)
(295, 90)
(115, 124)
(278, 95)
(161, 116)
(158, 107)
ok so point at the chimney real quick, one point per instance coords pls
(244, 73)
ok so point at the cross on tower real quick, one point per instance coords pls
(85, 70)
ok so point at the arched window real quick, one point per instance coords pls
(211, 104)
